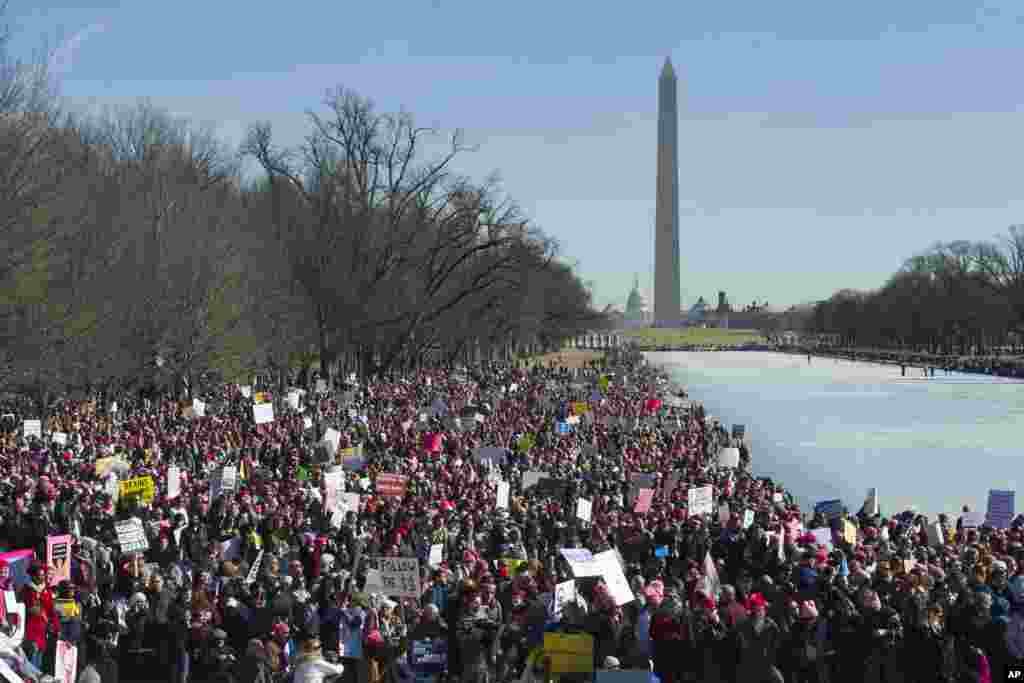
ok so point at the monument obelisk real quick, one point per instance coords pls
(666, 212)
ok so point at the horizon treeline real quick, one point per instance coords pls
(954, 297)
(134, 253)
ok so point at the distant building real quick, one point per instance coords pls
(637, 309)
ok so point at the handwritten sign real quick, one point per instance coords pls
(33, 428)
(132, 536)
(394, 576)
(143, 487)
(58, 556)
(700, 501)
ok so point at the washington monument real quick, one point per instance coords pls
(666, 212)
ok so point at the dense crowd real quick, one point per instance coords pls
(538, 508)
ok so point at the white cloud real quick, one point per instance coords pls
(62, 59)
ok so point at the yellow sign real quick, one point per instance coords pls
(260, 397)
(103, 466)
(140, 486)
(849, 532)
(581, 407)
(570, 653)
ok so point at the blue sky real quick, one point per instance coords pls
(820, 143)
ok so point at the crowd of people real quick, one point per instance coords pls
(468, 524)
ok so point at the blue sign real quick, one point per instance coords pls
(661, 551)
(1000, 509)
(829, 508)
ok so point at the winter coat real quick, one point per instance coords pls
(41, 615)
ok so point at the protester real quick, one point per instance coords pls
(450, 522)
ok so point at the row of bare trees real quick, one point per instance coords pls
(957, 297)
(133, 252)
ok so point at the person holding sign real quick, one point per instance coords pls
(42, 621)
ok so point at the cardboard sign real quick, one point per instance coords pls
(394, 576)
(1000, 510)
(58, 557)
(143, 487)
(132, 536)
(700, 501)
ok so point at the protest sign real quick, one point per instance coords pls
(131, 536)
(729, 457)
(531, 478)
(391, 484)
(58, 558)
(829, 508)
(871, 502)
(263, 413)
(394, 576)
(33, 428)
(228, 478)
(1000, 509)
(823, 537)
(700, 501)
(610, 569)
(503, 491)
(59, 438)
(849, 532)
(143, 487)
(972, 520)
(173, 482)
(332, 439)
(198, 408)
(565, 593)
(583, 509)
(436, 556)
(643, 501)
(292, 399)
(334, 486)
(569, 653)
(246, 391)
(581, 562)
(490, 454)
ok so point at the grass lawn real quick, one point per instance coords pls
(651, 336)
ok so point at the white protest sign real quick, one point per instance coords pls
(228, 478)
(729, 457)
(292, 399)
(583, 509)
(611, 571)
(334, 486)
(394, 576)
(263, 413)
(581, 562)
(173, 482)
(132, 536)
(332, 437)
(436, 555)
(33, 428)
(823, 537)
(8, 673)
(307, 423)
(198, 408)
(565, 594)
(871, 502)
(531, 478)
(700, 501)
(59, 438)
(503, 490)
(246, 391)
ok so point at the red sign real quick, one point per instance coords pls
(392, 485)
